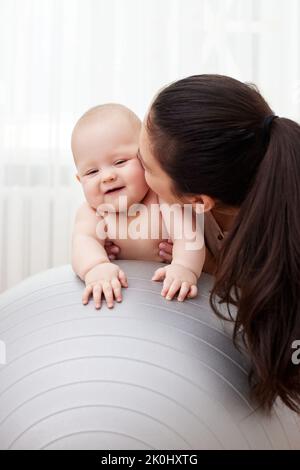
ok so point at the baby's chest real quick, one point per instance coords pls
(147, 225)
(138, 237)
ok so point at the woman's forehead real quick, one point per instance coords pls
(145, 151)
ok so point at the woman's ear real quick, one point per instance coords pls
(207, 202)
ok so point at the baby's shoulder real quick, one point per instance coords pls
(85, 211)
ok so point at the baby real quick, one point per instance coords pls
(105, 144)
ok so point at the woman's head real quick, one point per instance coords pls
(207, 134)
(210, 135)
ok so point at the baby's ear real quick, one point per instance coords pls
(78, 177)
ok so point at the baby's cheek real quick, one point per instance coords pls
(92, 195)
(137, 169)
(87, 191)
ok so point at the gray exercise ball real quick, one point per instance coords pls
(149, 374)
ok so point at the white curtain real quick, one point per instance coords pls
(60, 57)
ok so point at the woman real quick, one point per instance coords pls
(215, 140)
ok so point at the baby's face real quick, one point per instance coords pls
(105, 152)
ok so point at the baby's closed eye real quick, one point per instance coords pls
(91, 172)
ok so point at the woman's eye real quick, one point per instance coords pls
(119, 162)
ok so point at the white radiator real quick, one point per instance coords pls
(35, 233)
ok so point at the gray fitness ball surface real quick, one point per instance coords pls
(149, 374)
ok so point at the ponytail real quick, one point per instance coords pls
(259, 270)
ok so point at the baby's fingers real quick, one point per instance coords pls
(175, 286)
(117, 289)
(97, 292)
(108, 294)
(193, 292)
(184, 290)
(123, 278)
(159, 274)
(86, 294)
(166, 285)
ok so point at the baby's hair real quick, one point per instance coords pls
(101, 109)
(104, 110)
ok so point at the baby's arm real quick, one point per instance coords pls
(90, 261)
(87, 249)
(182, 274)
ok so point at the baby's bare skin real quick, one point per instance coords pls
(145, 249)
(183, 278)
(105, 146)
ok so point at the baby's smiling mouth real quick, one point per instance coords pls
(114, 190)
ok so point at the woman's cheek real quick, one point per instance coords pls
(152, 183)
(148, 179)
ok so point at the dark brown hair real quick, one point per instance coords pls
(208, 132)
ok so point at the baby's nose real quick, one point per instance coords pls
(108, 176)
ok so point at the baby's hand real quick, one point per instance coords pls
(106, 279)
(177, 278)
